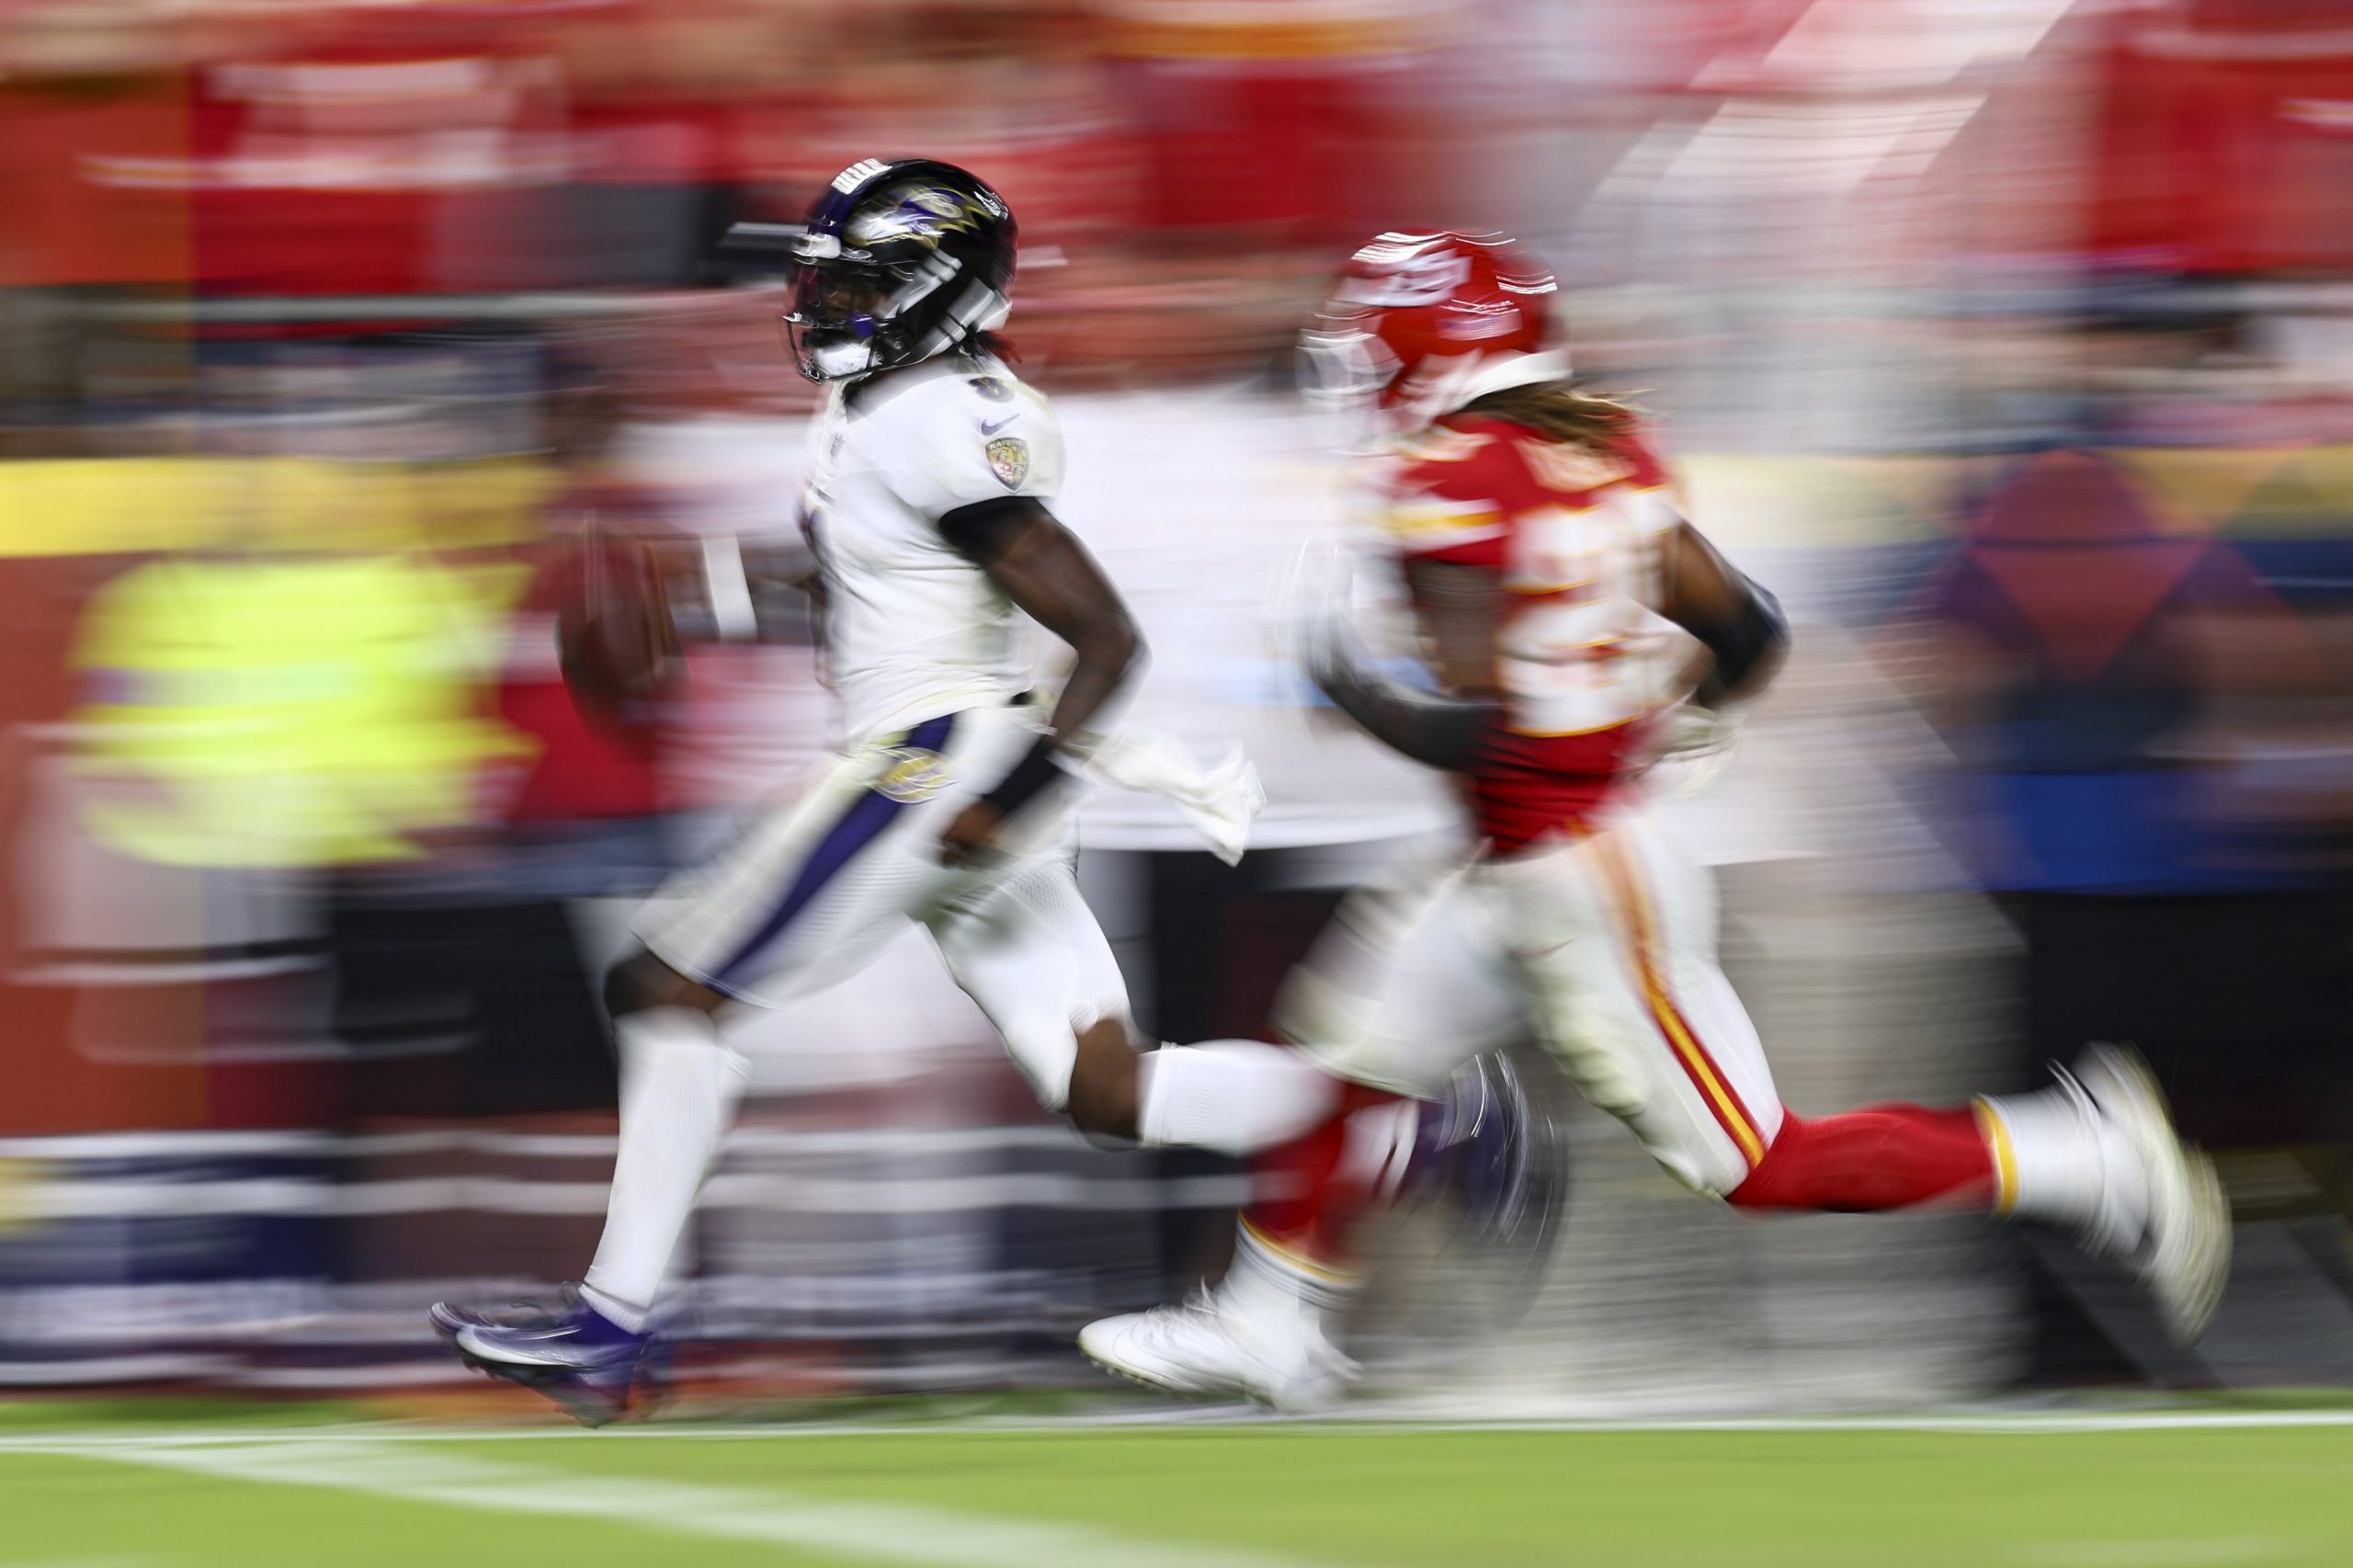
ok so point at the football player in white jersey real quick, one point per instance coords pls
(951, 803)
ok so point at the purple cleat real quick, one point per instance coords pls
(571, 1352)
(1493, 1153)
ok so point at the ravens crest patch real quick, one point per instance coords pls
(914, 774)
(1009, 460)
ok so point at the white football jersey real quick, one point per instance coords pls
(913, 630)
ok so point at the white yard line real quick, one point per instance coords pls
(2022, 1424)
(2191, 1552)
(1195, 1418)
(881, 1532)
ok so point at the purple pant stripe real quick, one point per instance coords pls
(859, 826)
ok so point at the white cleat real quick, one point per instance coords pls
(1196, 1350)
(2183, 1254)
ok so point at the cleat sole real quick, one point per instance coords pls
(1145, 1380)
(589, 1410)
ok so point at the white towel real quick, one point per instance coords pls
(1217, 804)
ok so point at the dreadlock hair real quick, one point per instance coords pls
(1560, 410)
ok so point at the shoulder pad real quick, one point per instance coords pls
(961, 438)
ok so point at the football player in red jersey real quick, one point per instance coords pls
(1570, 614)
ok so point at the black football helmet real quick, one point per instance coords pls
(902, 261)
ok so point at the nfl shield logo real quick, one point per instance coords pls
(1009, 460)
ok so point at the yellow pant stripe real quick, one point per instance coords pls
(1290, 1255)
(2005, 1156)
(1664, 1011)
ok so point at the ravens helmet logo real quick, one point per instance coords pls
(923, 213)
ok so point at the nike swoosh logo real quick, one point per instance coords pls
(547, 1353)
(989, 429)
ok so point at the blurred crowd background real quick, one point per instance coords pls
(2011, 341)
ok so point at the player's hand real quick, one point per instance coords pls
(1307, 611)
(971, 834)
(1692, 744)
(1299, 601)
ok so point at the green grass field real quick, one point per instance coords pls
(2047, 1492)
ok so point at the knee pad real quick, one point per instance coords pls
(624, 990)
(641, 981)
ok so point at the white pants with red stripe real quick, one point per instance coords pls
(1603, 947)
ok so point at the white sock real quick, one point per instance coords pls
(2057, 1159)
(1279, 1300)
(679, 1085)
(1236, 1096)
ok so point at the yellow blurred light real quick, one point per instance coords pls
(275, 712)
(125, 506)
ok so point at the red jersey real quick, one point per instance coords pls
(1585, 659)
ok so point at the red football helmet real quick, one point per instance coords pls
(1415, 314)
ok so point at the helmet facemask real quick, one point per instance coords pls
(1347, 368)
(845, 316)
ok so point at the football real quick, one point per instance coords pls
(614, 632)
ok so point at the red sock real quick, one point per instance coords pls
(1321, 1185)
(1887, 1156)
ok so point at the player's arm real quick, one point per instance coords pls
(1738, 622)
(786, 590)
(1041, 567)
(1453, 729)
(741, 590)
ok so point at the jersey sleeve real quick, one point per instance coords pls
(1453, 504)
(975, 440)
(1649, 469)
